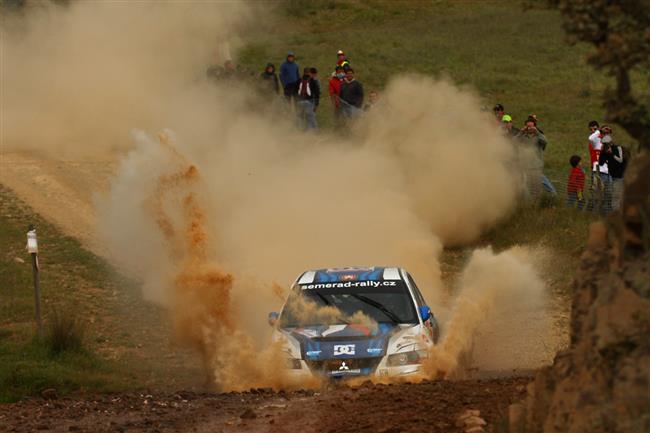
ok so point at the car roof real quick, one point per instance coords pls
(335, 275)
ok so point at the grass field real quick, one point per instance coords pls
(125, 341)
(504, 52)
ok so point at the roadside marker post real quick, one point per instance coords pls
(32, 249)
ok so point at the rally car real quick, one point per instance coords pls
(350, 322)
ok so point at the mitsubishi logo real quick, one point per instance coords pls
(344, 349)
(343, 367)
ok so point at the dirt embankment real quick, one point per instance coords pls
(428, 406)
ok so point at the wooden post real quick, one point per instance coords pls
(32, 249)
(37, 295)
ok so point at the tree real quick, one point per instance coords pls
(620, 32)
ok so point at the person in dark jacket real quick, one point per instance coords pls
(351, 97)
(612, 156)
(270, 79)
(290, 76)
(308, 95)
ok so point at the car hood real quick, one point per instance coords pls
(344, 341)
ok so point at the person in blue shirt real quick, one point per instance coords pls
(290, 77)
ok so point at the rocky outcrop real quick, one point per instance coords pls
(602, 382)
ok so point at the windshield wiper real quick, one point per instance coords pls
(392, 316)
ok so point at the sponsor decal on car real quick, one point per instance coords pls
(344, 369)
(348, 284)
(344, 349)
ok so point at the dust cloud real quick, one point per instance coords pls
(498, 318)
(219, 214)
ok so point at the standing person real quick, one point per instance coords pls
(313, 73)
(498, 111)
(576, 185)
(531, 137)
(595, 187)
(614, 156)
(373, 99)
(335, 92)
(290, 77)
(604, 160)
(351, 95)
(506, 123)
(308, 99)
(341, 59)
(270, 79)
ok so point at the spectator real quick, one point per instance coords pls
(341, 59)
(533, 118)
(506, 123)
(313, 73)
(595, 186)
(604, 160)
(373, 98)
(335, 92)
(594, 144)
(290, 77)
(532, 137)
(498, 111)
(308, 99)
(351, 95)
(614, 155)
(270, 79)
(576, 185)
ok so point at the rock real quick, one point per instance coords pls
(515, 417)
(49, 394)
(248, 414)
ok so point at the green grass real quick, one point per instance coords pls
(99, 335)
(507, 54)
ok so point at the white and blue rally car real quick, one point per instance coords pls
(394, 338)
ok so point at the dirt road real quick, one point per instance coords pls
(428, 406)
(62, 191)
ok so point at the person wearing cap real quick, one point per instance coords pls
(270, 79)
(335, 92)
(341, 59)
(506, 123)
(290, 77)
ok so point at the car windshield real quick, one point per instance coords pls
(336, 303)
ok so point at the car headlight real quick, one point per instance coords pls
(407, 358)
(292, 364)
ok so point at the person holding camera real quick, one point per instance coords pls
(532, 136)
(611, 157)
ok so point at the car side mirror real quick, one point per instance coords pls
(273, 318)
(425, 312)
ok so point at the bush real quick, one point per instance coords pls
(65, 333)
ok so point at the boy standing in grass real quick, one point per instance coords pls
(576, 185)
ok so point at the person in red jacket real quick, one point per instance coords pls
(576, 186)
(335, 92)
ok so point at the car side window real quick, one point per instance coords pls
(416, 291)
